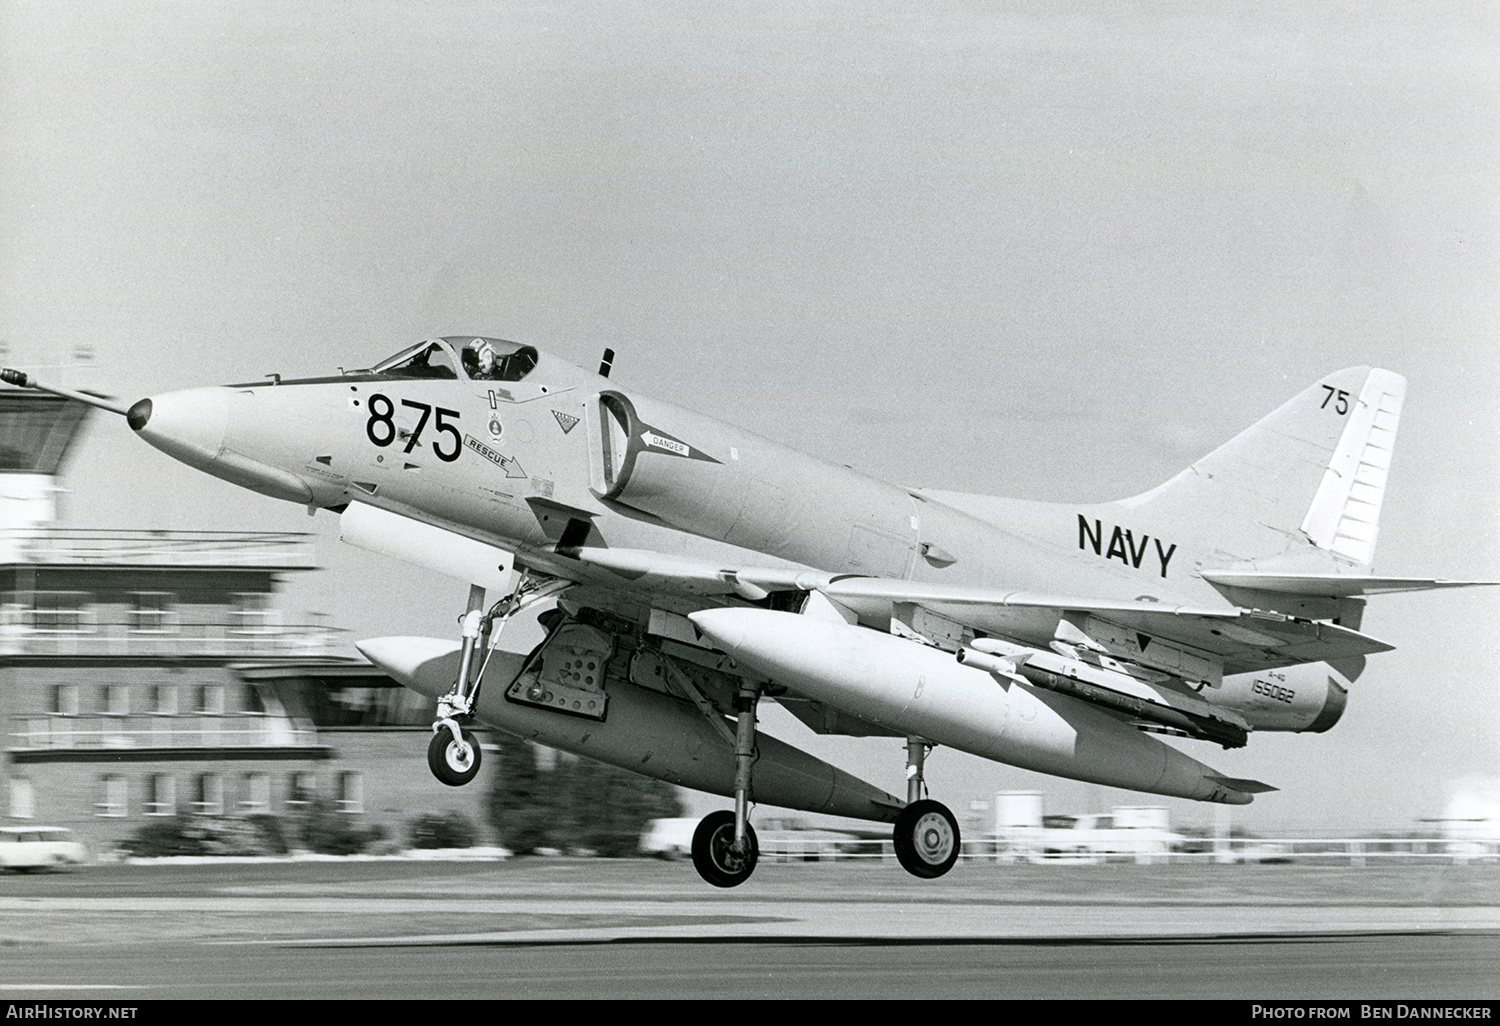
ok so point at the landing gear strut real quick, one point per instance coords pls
(725, 848)
(453, 753)
(926, 835)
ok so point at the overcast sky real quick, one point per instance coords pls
(1049, 250)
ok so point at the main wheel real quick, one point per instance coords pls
(713, 851)
(454, 763)
(926, 839)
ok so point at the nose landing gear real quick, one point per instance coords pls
(453, 754)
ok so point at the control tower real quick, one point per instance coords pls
(118, 696)
(37, 431)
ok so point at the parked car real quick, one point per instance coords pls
(28, 848)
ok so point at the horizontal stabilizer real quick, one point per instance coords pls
(1243, 786)
(1331, 585)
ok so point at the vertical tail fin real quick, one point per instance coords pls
(1303, 487)
(1344, 517)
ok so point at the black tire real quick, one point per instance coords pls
(926, 839)
(453, 764)
(713, 851)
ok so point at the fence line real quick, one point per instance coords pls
(1357, 851)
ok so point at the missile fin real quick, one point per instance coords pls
(1241, 784)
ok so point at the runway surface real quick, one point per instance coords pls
(588, 928)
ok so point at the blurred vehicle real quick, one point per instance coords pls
(1263, 852)
(27, 848)
(669, 838)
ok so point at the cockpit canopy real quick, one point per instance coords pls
(473, 357)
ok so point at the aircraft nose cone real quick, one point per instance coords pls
(204, 428)
(187, 425)
(138, 415)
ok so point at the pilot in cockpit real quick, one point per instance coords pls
(480, 360)
(484, 360)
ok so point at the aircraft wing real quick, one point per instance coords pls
(1237, 640)
(1240, 640)
(1330, 585)
(648, 570)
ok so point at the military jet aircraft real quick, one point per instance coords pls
(691, 569)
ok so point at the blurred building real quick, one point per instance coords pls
(145, 674)
(1470, 822)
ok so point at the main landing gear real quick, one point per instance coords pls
(725, 849)
(714, 853)
(926, 835)
(453, 753)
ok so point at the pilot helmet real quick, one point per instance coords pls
(480, 358)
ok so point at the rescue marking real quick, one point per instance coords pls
(565, 422)
(1122, 545)
(509, 464)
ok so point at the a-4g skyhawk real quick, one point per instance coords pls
(697, 568)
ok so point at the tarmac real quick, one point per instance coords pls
(637, 928)
(573, 901)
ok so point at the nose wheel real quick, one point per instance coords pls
(926, 839)
(453, 759)
(453, 752)
(714, 853)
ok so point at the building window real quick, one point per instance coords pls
(251, 701)
(65, 699)
(251, 612)
(153, 613)
(22, 798)
(114, 791)
(163, 797)
(164, 699)
(60, 612)
(211, 699)
(302, 790)
(208, 794)
(116, 700)
(351, 791)
(257, 793)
